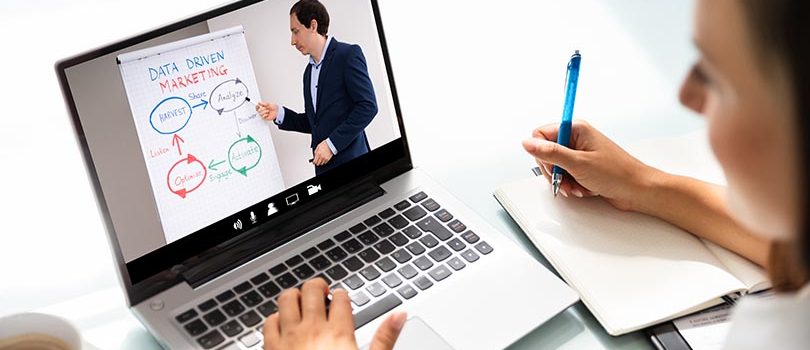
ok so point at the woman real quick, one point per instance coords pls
(752, 84)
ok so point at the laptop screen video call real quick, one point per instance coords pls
(171, 126)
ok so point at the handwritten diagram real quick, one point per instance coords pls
(207, 151)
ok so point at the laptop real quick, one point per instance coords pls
(211, 211)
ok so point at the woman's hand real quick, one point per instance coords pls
(596, 166)
(302, 321)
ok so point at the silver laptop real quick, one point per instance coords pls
(212, 211)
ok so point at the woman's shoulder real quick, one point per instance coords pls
(776, 322)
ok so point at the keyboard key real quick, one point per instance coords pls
(337, 254)
(376, 289)
(407, 271)
(418, 197)
(360, 298)
(415, 213)
(439, 273)
(195, 328)
(386, 264)
(303, 272)
(267, 308)
(456, 264)
(336, 272)
(415, 248)
(387, 213)
(309, 253)
(376, 310)
(423, 283)
(483, 248)
(214, 318)
(211, 339)
(412, 232)
(368, 238)
(399, 239)
(269, 289)
(372, 221)
(278, 269)
(384, 247)
(402, 205)
(384, 229)
(251, 298)
(444, 215)
(250, 339)
(340, 237)
(353, 264)
(250, 318)
(370, 273)
(225, 296)
(429, 241)
(435, 227)
(401, 256)
(431, 205)
(407, 291)
(352, 246)
(423, 263)
(456, 244)
(233, 308)
(320, 262)
(286, 280)
(208, 305)
(469, 255)
(470, 237)
(260, 278)
(457, 226)
(369, 255)
(323, 276)
(354, 282)
(231, 328)
(440, 253)
(242, 287)
(295, 260)
(187, 316)
(357, 228)
(398, 222)
(392, 280)
(231, 346)
(328, 243)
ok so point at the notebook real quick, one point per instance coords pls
(632, 270)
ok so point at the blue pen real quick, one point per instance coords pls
(564, 134)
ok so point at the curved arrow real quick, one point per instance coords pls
(222, 109)
(243, 170)
(184, 191)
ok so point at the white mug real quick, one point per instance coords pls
(38, 331)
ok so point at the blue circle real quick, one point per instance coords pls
(151, 115)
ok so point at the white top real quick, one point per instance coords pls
(781, 322)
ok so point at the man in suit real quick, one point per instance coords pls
(339, 100)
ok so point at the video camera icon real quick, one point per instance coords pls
(313, 189)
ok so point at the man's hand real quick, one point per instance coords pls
(302, 321)
(322, 154)
(268, 111)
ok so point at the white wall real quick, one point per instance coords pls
(280, 68)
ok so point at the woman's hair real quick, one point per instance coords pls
(781, 31)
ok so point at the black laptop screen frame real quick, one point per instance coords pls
(157, 270)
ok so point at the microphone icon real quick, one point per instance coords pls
(252, 217)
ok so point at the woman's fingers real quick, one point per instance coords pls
(313, 295)
(289, 306)
(340, 309)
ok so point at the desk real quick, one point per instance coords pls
(487, 72)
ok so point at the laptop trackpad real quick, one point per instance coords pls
(416, 334)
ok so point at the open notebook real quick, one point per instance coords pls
(632, 270)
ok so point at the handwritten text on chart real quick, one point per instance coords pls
(197, 69)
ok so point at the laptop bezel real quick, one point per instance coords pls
(381, 170)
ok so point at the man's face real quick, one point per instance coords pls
(301, 36)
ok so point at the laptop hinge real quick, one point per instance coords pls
(252, 244)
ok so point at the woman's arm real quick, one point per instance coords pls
(599, 167)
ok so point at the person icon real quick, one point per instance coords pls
(271, 209)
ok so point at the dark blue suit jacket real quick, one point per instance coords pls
(346, 104)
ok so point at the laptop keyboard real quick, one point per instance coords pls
(381, 261)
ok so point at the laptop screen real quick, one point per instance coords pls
(201, 130)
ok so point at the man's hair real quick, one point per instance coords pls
(307, 10)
